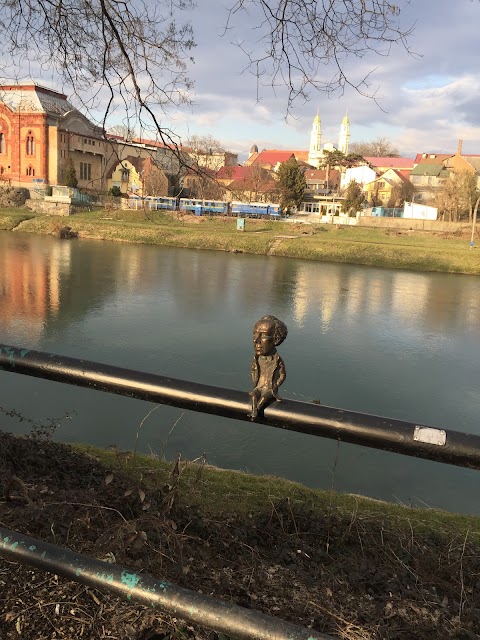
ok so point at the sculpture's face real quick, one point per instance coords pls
(263, 338)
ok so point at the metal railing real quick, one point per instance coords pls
(223, 617)
(452, 447)
(398, 436)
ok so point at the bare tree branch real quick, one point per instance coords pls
(304, 45)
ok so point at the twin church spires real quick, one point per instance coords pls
(315, 153)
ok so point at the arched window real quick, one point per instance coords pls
(2, 143)
(30, 171)
(30, 146)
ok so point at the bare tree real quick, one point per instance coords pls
(204, 145)
(124, 131)
(304, 44)
(401, 193)
(123, 56)
(379, 148)
(456, 197)
(134, 56)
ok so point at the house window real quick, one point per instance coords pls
(85, 171)
(381, 185)
(30, 171)
(2, 143)
(125, 174)
(30, 145)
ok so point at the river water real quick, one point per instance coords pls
(386, 342)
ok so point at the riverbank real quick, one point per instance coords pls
(344, 565)
(414, 250)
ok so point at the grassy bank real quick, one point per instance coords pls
(217, 491)
(354, 568)
(414, 250)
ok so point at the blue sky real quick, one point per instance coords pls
(424, 101)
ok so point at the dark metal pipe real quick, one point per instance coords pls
(398, 436)
(188, 605)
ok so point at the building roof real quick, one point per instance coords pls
(301, 155)
(424, 169)
(234, 172)
(31, 97)
(272, 157)
(393, 163)
(432, 158)
(403, 174)
(312, 175)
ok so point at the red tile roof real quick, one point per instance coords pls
(394, 163)
(404, 174)
(234, 172)
(272, 157)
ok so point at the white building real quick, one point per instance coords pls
(317, 150)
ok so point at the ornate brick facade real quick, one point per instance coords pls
(39, 132)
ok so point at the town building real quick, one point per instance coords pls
(433, 169)
(271, 159)
(39, 131)
(385, 188)
(138, 176)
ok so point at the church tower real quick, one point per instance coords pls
(315, 152)
(344, 138)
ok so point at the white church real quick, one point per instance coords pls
(317, 150)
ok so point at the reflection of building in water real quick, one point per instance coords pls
(316, 286)
(344, 293)
(341, 293)
(30, 287)
(410, 293)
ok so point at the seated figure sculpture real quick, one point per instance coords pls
(268, 368)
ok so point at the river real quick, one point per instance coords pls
(395, 343)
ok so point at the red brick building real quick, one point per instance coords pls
(39, 131)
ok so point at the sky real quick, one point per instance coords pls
(424, 100)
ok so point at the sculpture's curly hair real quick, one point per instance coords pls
(279, 328)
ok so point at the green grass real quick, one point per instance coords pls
(374, 247)
(217, 491)
(11, 218)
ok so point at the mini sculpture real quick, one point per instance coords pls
(268, 368)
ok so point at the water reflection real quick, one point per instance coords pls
(43, 278)
(384, 342)
(30, 275)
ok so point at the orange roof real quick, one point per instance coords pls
(404, 174)
(272, 157)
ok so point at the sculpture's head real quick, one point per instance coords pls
(268, 333)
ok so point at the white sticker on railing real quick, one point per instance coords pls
(430, 435)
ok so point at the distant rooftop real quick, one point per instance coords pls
(32, 97)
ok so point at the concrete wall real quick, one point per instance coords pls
(52, 208)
